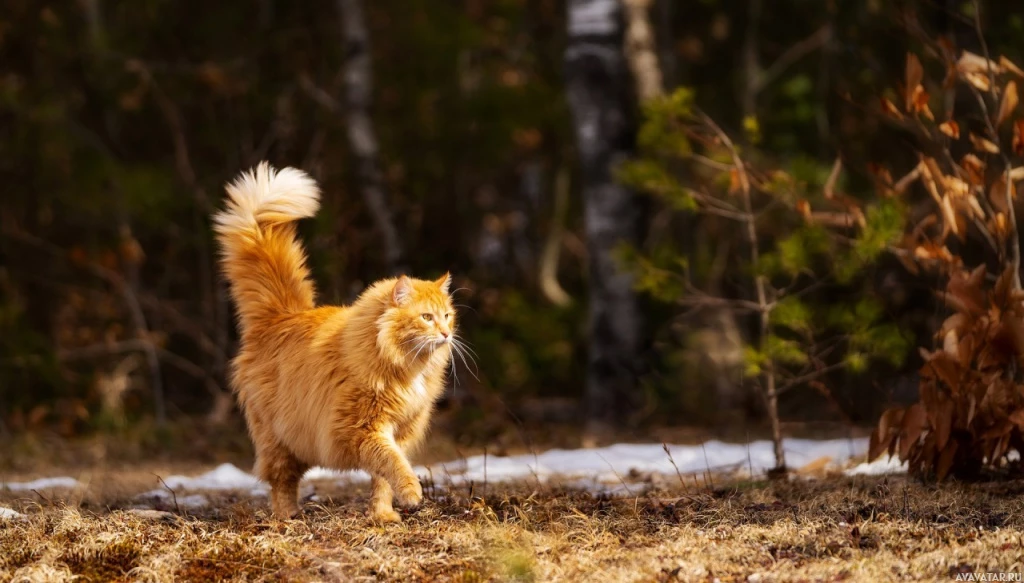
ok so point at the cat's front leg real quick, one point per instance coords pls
(381, 498)
(381, 456)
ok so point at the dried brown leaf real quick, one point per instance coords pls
(890, 108)
(914, 76)
(999, 226)
(1018, 137)
(919, 103)
(1008, 103)
(983, 144)
(914, 421)
(972, 63)
(951, 343)
(1007, 66)
(885, 434)
(956, 186)
(957, 322)
(875, 447)
(944, 368)
(931, 175)
(978, 80)
(950, 128)
(974, 167)
(945, 461)
(1017, 418)
(966, 418)
(942, 423)
(997, 194)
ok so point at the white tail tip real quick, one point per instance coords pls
(266, 195)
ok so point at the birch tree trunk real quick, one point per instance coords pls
(598, 87)
(361, 135)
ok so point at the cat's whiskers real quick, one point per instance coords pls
(460, 350)
(410, 340)
(455, 376)
(424, 344)
(463, 344)
(409, 355)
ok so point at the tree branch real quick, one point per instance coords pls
(791, 55)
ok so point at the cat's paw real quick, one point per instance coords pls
(410, 495)
(285, 509)
(384, 516)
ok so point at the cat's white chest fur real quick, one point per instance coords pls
(418, 387)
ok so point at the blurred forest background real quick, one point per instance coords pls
(449, 135)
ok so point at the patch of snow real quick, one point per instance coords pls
(611, 470)
(611, 464)
(40, 484)
(223, 477)
(8, 514)
(879, 467)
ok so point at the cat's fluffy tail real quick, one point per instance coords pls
(263, 261)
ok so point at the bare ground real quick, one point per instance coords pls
(856, 529)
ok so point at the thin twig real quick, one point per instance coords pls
(760, 285)
(621, 481)
(791, 55)
(679, 474)
(174, 495)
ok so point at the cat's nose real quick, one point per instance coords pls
(445, 334)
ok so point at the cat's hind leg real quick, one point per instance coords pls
(277, 466)
(282, 470)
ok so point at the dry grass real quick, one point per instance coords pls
(864, 529)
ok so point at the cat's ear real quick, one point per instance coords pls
(403, 289)
(445, 283)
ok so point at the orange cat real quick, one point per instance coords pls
(347, 387)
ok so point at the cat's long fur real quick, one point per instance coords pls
(341, 387)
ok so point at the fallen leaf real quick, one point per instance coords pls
(913, 425)
(1008, 104)
(945, 461)
(919, 103)
(914, 75)
(978, 80)
(943, 422)
(975, 168)
(973, 63)
(983, 144)
(1006, 65)
(950, 128)
(890, 108)
(1017, 418)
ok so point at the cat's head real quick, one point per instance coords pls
(419, 319)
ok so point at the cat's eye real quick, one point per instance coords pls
(448, 316)
(428, 317)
